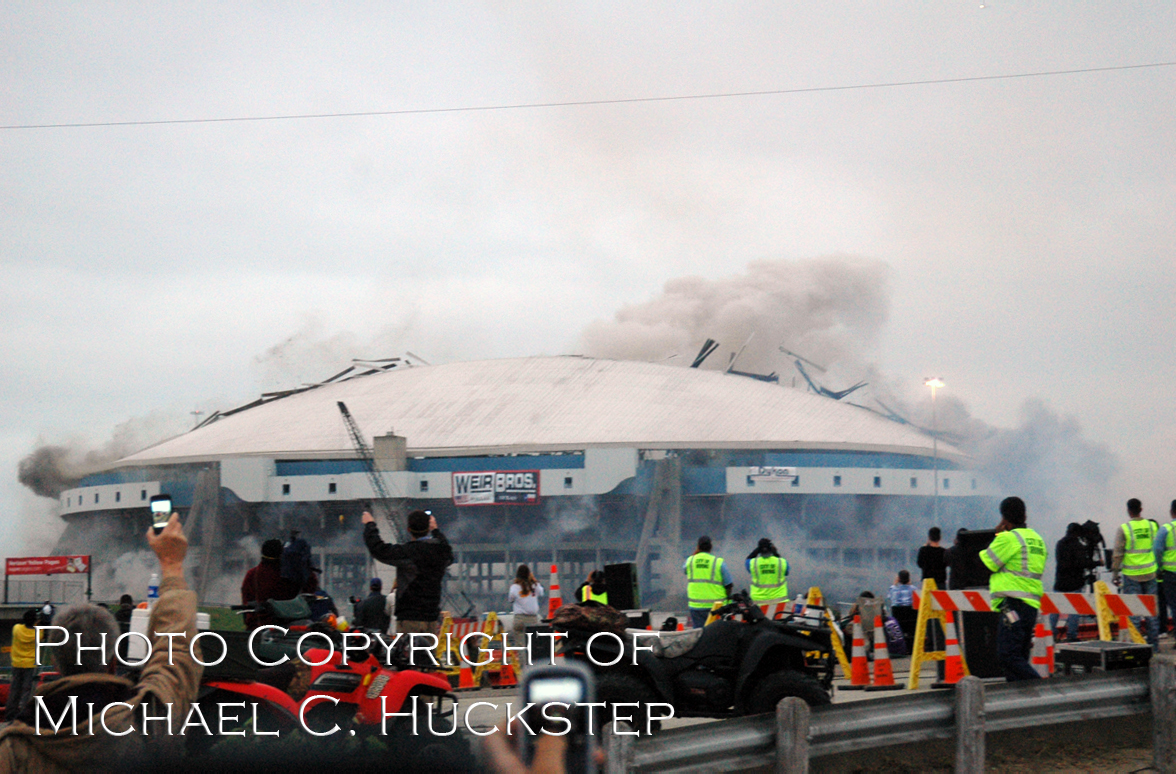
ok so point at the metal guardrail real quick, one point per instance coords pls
(967, 712)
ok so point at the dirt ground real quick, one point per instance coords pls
(1120, 745)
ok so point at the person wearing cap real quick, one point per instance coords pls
(707, 581)
(371, 613)
(265, 582)
(769, 573)
(420, 565)
(1016, 557)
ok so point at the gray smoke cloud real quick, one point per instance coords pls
(53, 467)
(829, 309)
(311, 354)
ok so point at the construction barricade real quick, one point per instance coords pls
(1107, 606)
(813, 607)
(462, 671)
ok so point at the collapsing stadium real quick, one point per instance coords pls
(578, 461)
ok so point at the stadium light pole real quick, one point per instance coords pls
(934, 382)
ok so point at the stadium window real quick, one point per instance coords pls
(750, 481)
(837, 481)
(68, 502)
(95, 497)
(877, 482)
(914, 482)
(331, 488)
(567, 482)
(796, 481)
(285, 489)
(142, 494)
(424, 485)
(947, 483)
(118, 497)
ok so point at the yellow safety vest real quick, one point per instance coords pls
(1168, 558)
(769, 578)
(587, 596)
(1139, 555)
(704, 581)
(1017, 560)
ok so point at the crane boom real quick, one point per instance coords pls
(369, 462)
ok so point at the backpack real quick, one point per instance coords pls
(895, 642)
(296, 562)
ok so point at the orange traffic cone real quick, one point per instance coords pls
(555, 599)
(1040, 657)
(859, 672)
(1049, 650)
(506, 676)
(953, 668)
(465, 679)
(681, 626)
(883, 673)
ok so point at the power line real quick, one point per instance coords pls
(593, 102)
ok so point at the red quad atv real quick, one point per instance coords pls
(320, 694)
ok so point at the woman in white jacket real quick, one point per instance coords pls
(524, 596)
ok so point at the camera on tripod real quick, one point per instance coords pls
(1091, 538)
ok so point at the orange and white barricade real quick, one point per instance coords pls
(1105, 605)
(1112, 605)
(775, 609)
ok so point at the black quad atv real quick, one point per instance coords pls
(741, 664)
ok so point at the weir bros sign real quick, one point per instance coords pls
(496, 487)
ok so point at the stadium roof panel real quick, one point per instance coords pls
(541, 404)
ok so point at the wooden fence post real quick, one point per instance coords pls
(792, 736)
(969, 718)
(1163, 707)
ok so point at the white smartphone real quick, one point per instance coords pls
(161, 509)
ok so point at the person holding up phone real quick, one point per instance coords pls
(420, 564)
(119, 736)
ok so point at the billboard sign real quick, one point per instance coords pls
(496, 487)
(46, 565)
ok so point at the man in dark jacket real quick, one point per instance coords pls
(420, 568)
(1074, 561)
(370, 613)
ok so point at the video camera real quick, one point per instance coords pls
(1091, 538)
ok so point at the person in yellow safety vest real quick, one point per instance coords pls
(1166, 559)
(769, 573)
(1017, 559)
(594, 589)
(1133, 566)
(707, 581)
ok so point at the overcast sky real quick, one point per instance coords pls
(1027, 225)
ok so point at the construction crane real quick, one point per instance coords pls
(451, 600)
(369, 462)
